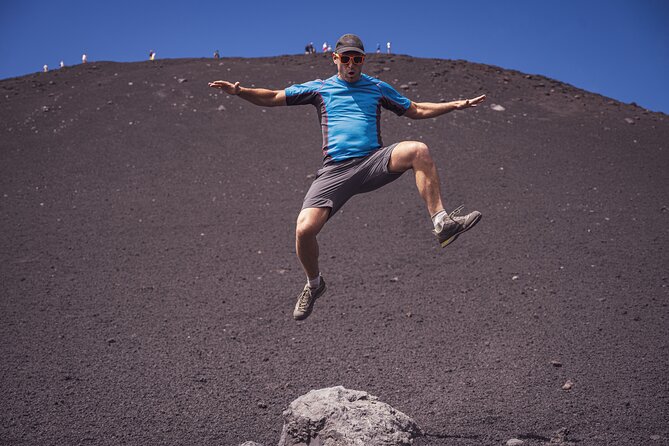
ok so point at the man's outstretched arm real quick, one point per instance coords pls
(423, 110)
(257, 96)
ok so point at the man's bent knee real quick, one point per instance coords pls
(311, 221)
(304, 229)
(406, 154)
(420, 150)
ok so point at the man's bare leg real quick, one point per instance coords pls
(416, 155)
(309, 224)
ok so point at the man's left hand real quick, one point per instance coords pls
(461, 105)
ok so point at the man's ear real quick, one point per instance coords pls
(334, 58)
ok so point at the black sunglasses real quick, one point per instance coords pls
(346, 59)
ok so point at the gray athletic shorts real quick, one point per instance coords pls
(335, 183)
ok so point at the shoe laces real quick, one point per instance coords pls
(456, 212)
(305, 297)
(451, 216)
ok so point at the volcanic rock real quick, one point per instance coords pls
(337, 416)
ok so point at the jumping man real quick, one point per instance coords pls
(355, 160)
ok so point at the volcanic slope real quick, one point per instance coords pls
(149, 272)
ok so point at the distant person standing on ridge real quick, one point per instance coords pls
(355, 159)
(378, 48)
(325, 46)
(216, 55)
(84, 59)
(62, 64)
(152, 55)
(388, 46)
(45, 68)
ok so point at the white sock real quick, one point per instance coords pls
(316, 282)
(438, 219)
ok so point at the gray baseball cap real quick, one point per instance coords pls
(349, 42)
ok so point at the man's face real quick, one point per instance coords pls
(349, 71)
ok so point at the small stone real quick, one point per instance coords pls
(629, 120)
(560, 436)
(311, 176)
(555, 363)
(404, 87)
(394, 279)
(568, 385)
(655, 437)
(515, 278)
(262, 405)
(111, 341)
(413, 83)
(182, 80)
(514, 442)
(221, 107)
(497, 107)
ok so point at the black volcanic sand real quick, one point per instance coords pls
(149, 272)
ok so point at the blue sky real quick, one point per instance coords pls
(618, 48)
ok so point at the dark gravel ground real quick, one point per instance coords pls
(148, 270)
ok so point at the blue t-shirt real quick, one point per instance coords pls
(349, 113)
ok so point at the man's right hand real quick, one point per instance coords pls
(226, 86)
(257, 96)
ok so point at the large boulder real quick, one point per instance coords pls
(340, 417)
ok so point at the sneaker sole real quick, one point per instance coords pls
(454, 237)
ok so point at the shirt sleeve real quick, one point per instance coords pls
(301, 94)
(392, 100)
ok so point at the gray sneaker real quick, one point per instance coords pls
(453, 226)
(306, 299)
